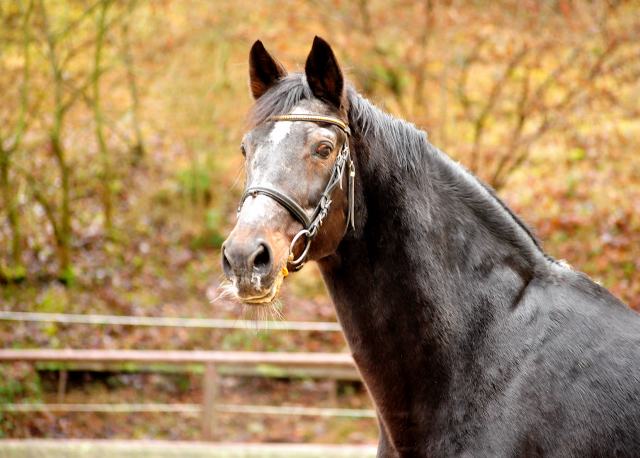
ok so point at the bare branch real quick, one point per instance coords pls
(496, 90)
(24, 90)
(474, 56)
(517, 131)
(77, 22)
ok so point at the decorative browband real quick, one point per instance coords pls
(313, 118)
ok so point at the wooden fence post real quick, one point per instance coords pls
(333, 393)
(62, 385)
(209, 411)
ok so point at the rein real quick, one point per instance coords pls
(311, 225)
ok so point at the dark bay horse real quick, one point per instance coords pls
(470, 338)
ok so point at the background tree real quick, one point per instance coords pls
(101, 26)
(497, 86)
(12, 129)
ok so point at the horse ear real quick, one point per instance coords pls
(264, 70)
(324, 74)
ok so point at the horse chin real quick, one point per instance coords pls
(269, 296)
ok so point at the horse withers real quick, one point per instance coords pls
(470, 338)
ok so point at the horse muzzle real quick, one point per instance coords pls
(247, 262)
(254, 256)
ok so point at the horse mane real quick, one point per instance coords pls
(407, 146)
(410, 150)
(405, 143)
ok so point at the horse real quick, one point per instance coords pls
(471, 340)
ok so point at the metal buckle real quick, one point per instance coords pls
(298, 263)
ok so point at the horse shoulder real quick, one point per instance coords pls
(574, 363)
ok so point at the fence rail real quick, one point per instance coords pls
(210, 359)
(211, 323)
(179, 357)
(191, 408)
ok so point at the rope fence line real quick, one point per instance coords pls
(211, 323)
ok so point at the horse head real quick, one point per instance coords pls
(298, 197)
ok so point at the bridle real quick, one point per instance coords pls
(310, 225)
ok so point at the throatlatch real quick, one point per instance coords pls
(311, 225)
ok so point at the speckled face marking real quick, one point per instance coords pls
(282, 128)
(279, 132)
(257, 254)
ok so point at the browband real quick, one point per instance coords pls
(312, 118)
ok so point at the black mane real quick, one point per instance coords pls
(406, 144)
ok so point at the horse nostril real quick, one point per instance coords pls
(248, 260)
(226, 265)
(262, 259)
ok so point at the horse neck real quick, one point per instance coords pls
(435, 257)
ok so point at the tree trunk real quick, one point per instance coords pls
(104, 153)
(137, 151)
(64, 234)
(15, 272)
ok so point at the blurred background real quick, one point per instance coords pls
(120, 173)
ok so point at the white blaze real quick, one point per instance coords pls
(282, 128)
(280, 131)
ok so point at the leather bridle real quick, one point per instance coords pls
(310, 225)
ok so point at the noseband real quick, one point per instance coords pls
(311, 225)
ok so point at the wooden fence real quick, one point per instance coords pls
(340, 362)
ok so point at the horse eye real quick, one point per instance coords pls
(323, 151)
(243, 151)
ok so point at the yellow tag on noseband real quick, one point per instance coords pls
(285, 271)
